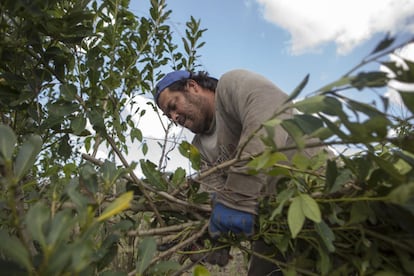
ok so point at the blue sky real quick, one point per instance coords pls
(284, 40)
(296, 40)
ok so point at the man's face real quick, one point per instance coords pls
(187, 108)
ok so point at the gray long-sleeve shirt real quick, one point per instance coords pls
(243, 101)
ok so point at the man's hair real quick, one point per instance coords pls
(202, 78)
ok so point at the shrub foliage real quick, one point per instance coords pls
(70, 72)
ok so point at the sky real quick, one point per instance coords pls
(284, 40)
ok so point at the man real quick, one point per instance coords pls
(224, 114)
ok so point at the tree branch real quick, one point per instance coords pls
(163, 230)
(135, 178)
(165, 195)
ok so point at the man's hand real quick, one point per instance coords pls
(224, 220)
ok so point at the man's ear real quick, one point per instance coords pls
(192, 85)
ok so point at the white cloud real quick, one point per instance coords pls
(312, 24)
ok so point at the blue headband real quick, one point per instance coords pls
(169, 79)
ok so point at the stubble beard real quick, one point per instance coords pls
(198, 115)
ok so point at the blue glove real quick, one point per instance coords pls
(224, 220)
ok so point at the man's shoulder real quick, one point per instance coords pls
(235, 73)
(234, 79)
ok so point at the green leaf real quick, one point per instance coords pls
(338, 83)
(79, 199)
(154, 176)
(320, 103)
(403, 195)
(89, 178)
(7, 142)
(120, 204)
(64, 149)
(61, 227)
(295, 132)
(308, 123)
(406, 156)
(334, 127)
(164, 268)
(200, 198)
(13, 248)
(270, 127)
(325, 261)
(310, 105)
(97, 121)
(136, 134)
(301, 161)
(360, 212)
(68, 92)
(200, 270)
(326, 234)
(271, 124)
(408, 99)
(310, 208)
(190, 151)
(345, 176)
(61, 259)
(179, 177)
(27, 155)
(37, 217)
(323, 133)
(370, 79)
(331, 174)
(296, 217)
(78, 125)
(146, 251)
(110, 173)
(402, 69)
(298, 89)
(388, 167)
(383, 44)
(282, 198)
(61, 109)
(266, 160)
(365, 108)
(144, 148)
(108, 251)
(82, 252)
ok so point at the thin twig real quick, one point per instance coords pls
(168, 229)
(135, 178)
(176, 247)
